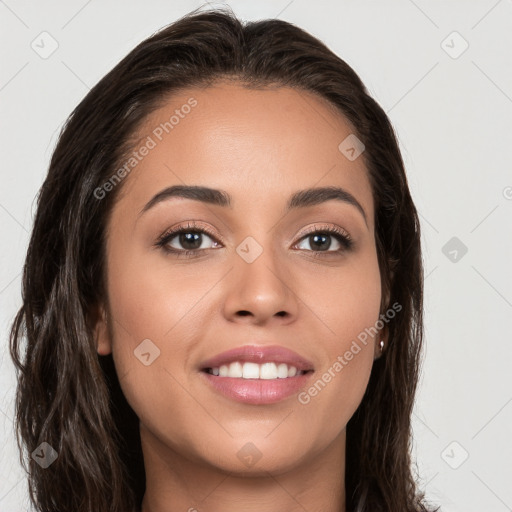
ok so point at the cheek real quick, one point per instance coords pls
(149, 296)
(155, 311)
(154, 314)
(342, 302)
(346, 309)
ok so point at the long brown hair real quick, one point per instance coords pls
(68, 396)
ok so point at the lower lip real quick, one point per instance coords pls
(257, 391)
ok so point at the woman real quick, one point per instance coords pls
(222, 296)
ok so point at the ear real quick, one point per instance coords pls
(102, 337)
(382, 335)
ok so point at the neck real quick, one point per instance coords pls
(177, 484)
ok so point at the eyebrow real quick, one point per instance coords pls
(299, 199)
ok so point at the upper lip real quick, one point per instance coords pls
(258, 354)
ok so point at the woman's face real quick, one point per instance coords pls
(260, 277)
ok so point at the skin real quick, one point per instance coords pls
(260, 146)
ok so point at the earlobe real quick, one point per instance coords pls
(381, 342)
(382, 337)
(101, 331)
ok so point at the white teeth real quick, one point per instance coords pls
(282, 371)
(251, 371)
(236, 369)
(268, 371)
(265, 371)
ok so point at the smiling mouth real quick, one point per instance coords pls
(256, 371)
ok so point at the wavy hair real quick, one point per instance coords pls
(69, 396)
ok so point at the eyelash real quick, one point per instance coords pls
(342, 236)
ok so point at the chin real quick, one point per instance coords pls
(257, 457)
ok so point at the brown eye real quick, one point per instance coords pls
(189, 240)
(186, 240)
(320, 242)
(329, 240)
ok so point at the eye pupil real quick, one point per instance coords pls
(190, 238)
(316, 242)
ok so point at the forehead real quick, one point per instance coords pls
(253, 143)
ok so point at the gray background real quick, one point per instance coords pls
(452, 109)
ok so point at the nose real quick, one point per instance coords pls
(260, 291)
